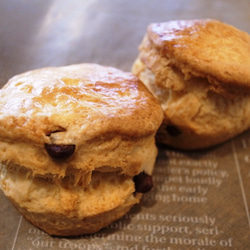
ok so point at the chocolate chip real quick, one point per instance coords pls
(173, 130)
(143, 182)
(60, 151)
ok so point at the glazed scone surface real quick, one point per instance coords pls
(93, 107)
(206, 48)
(107, 118)
(197, 69)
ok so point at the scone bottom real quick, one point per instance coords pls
(70, 177)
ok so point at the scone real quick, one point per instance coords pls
(77, 145)
(199, 71)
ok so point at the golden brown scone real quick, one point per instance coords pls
(77, 146)
(199, 71)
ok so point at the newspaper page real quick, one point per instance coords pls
(200, 200)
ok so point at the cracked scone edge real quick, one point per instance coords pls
(108, 115)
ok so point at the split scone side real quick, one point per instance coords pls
(199, 71)
(77, 145)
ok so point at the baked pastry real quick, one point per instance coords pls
(199, 71)
(77, 145)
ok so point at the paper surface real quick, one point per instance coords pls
(200, 200)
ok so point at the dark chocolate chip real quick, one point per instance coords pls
(143, 182)
(173, 130)
(60, 151)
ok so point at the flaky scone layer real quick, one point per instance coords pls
(111, 153)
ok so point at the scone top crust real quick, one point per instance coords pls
(206, 48)
(98, 109)
(81, 99)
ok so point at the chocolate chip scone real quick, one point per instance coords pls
(77, 145)
(199, 71)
